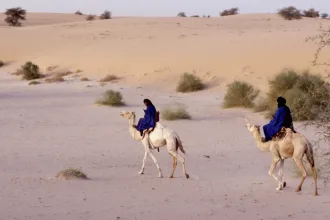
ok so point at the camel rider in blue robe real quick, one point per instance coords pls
(282, 118)
(148, 121)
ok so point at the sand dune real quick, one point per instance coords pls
(155, 51)
(50, 127)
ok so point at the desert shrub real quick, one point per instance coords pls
(290, 13)
(189, 83)
(311, 13)
(240, 94)
(79, 71)
(111, 98)
(78, 13)
(84, 79)
(54, 79)
(90, 17)
(106, 15)
(71, 173)
(29, 71)
(51, 68)
(14, 16)
(109, 78)
(181, 14)
(324, 15)
(34, 83)
(195, 16)
(306, 94)
(261, 105)
(232, 11)
(1, 63)
(175, 112)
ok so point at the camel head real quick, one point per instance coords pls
(127, 114)
(253, 128)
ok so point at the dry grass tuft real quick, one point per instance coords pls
(51, 68)
(84, 79)
(79, 71)
(109, 78)
(175, 112)
(54, 79)
(34, 83)
(2, 63)
(62, 73)
(240, 94)
(71, 173)
(111, 98)
(189, 83)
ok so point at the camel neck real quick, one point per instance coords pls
(134, 133)
(264, 146)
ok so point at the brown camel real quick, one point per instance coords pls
(292, 145)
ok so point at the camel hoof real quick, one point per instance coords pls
(160, 176)
(316, 194)
(284, 184)
(171, 177)
(187, 176)
(298, 189)
(141, 173)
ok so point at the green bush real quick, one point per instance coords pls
(175, 112)
(290, 13)
(306, 94)
(311, 13)
(240, 94)
(30, 71)
(232, 11)
(111, 98)
(189, 83)
(106, 15)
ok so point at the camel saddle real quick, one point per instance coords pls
(281, 134)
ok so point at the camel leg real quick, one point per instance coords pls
(143, 162)
(314, 176)
(174, 166)
(271, 170)
(160, 175)
(181, 159)
(303, 171)
(280, 175)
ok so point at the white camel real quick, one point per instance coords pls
(159, 137)
(292, 145)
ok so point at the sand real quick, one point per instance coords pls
(50, 127)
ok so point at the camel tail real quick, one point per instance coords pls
(179, 145)
(310, 154)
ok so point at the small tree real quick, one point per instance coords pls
(232, 11)
(181, 14)
(290, 13)
(324, 15)
(14, 15)
(311, 13)
(78, 13)
(106, 15)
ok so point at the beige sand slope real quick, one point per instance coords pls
(155, 51)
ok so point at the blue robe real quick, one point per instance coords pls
(148, 121)
(282, 118)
